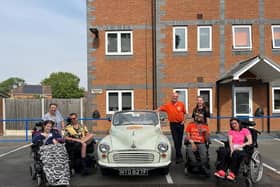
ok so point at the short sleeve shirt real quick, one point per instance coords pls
(238, 137)
(195, 132)
(175, 111)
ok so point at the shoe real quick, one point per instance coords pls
(221, 174)
(179, 160)
(205, 171)
(231, 176)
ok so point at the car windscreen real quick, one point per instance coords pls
(135, 118)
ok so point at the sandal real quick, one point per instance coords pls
(220, 174)
(231, 176)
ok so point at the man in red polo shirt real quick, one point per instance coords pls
(176, 111)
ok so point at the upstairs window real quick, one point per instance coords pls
(242, 37)
(119, 43)
(179, 39)
(275, 36)
(204, 38)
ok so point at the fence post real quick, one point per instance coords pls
(81, 109)
(43, 106)
(4, 116)
(26, 130)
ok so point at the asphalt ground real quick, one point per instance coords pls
(15, 160)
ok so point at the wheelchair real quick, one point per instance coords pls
(197, 168)
(251, 167)
(36, 168)
(74, 152)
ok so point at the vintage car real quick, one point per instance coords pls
(135, 145)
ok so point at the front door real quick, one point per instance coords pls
(243, 102)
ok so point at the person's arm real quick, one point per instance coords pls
(249, 140)
(230, 144)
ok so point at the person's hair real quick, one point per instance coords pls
(237, 120)
(71, 114)
(45, 123)
(52, 104)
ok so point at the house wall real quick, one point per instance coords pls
(189, 70)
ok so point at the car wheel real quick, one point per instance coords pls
(105, 171)
(164, 171)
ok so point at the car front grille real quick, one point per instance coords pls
(133, 158)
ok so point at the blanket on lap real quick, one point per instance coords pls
(55, 164)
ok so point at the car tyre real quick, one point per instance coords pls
(164, 171)
(105, 171)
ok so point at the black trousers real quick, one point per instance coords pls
(233, 162)
(177, 131)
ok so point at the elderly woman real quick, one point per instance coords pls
(53, 154)
(238, 138)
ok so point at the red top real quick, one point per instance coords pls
(175, 111)
(194, 131)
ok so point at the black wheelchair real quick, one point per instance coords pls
(251, 167)
(198, 167)
(74, 152)
(36, 167)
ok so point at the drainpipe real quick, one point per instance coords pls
(218, 107)
(154, 46)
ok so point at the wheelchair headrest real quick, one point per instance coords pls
(247, 123)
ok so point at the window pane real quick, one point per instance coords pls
(277, 99)
(125, 42)
(276, 33)
(112, 42)
(206, 97)
(182, 96)
(242, 103)
(180, 38)
(126, 101)
(242, 37)
(204, 40)
(113, 102)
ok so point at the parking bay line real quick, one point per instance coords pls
(277, 139)
(264, 164)
(169, 179)
(17, 149)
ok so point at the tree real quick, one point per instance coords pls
(7, 85)
(64, 85)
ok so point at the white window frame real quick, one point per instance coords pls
(250, 36)
(273, 106)
(119, 99)
(174, 39)
(210, 97)
(186, 96)
(273, 37)
(118, 43)
(198, 38)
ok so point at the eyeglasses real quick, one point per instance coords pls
(73, 118)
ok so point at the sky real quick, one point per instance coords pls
(39, 37)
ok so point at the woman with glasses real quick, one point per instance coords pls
(230, 159)
(78, 135)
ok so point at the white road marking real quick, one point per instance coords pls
(277, 139)
(169, 179)
(264, 164)
(17, 149)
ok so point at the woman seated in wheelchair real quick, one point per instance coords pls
(78, 139)
(230, 157)
(48, 148)
(197, 136)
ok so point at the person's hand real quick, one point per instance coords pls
(54, 141)
(194, 147)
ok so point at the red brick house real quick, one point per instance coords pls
(141, 51)
(31, 92)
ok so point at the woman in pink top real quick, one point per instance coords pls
(238, 138)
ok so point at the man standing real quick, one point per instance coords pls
(176, 115)
(200, 110)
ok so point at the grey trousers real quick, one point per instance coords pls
(201, 148)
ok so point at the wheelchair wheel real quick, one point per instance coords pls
(39, 180)
(248, 182)
(32, 171)
(256, 167)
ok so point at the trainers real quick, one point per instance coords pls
(220, 174)
(231, 176)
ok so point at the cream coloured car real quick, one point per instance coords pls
(135, 145)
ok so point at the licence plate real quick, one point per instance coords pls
(133, 171)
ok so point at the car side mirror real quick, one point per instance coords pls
(163, 118)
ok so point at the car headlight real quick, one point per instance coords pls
(104, 148)
(162, 147)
